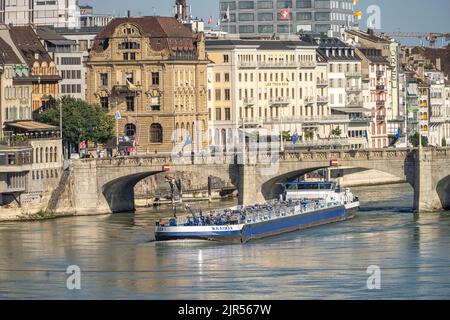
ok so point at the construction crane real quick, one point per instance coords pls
(432, 38)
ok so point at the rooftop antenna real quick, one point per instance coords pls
(154, 11)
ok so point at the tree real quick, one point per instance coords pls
(414, 140)
(309, 134)
(336, 132)
(444, 142)
(285, 136)
(81, 121)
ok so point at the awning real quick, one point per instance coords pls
(351, 110)
(61, 42)
(33, 126)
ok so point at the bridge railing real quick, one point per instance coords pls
(255, 157)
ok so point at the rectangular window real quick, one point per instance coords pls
(130, 103)
(104, 102)
(218, 114)
(226, 58)
(227, 95)
(218, 95)
(155, 78)
(104, 79)
(217, 77)
(227, 114)
(227, 77)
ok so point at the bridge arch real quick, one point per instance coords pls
(443, 191)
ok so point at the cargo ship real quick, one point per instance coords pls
(302, 205)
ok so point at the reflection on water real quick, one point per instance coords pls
(119, 259)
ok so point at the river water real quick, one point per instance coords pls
(119, 259)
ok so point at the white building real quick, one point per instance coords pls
(69, 59)
(345, 89)
(439, 116)
(279, 86)
(57, 13)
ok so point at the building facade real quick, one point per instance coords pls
(266, 17)
(375, 75)
(43, 73)
(439, 116)
(267, 87)
(57, 13)
(15, 95)
(69, 60)
(153, 72)
(345, 89)
(390, 50)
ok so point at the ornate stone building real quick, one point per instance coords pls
(151, 70)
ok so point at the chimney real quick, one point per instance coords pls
(370, 31)
(128, 13)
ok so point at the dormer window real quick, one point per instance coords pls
(36, 56)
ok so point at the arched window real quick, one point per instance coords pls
(130, 130)
(55, 154)
(41, 158)
(156, 133)
(36, 160)
(51, 154)
(46, 154)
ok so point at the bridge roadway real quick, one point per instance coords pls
(101, 186)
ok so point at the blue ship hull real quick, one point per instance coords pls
(265, 229)
(294, 223)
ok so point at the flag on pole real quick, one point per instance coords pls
(131, 86)
(188, 140)
(295, 137)
(366, 136)
(285, 14)
(210, 20)
(226, 17)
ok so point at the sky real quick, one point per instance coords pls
(396, 15)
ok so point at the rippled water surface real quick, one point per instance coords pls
(119, 259)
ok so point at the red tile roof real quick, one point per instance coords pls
(8, 56)
(27, 42)
(164, 33)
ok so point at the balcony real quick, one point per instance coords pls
(277, 64)
(322, 100)
(381, 103)
(353, 89)
(280, 102)
(380, 88)
(361, 119)
(307, 64)
(249, 102)
(380, 74)
(309, 119)
(349, 74)
(309, 100)
(381, 118)
(322, 82)
(247, 64)
(354, 103)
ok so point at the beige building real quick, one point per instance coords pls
(151, 70)
(390, 50)
(267, 84)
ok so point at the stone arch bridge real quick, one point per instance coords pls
(107, 185)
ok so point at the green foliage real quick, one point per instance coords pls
(286, 136)
(336, 132)
(81, 121)
(414, 140)
(309, 134)
(444, 142)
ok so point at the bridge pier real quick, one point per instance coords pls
(426, 197)
(248, 188)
